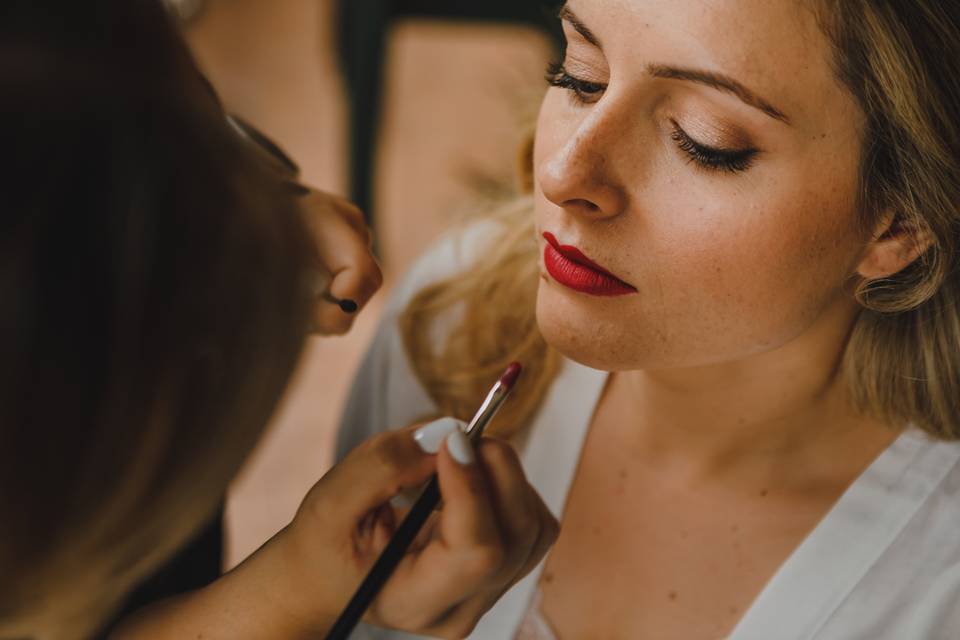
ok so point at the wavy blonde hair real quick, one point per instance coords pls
(901, 60)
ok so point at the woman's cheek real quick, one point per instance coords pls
(712, 287)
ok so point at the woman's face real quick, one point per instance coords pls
(703, 153)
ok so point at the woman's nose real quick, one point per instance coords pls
(578, 175)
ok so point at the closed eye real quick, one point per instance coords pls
(582, 91)
(712, 158)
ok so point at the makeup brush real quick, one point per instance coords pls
(397, 547)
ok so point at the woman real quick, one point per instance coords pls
(734, 283)
(156, 277)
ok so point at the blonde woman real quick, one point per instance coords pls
(734, 286)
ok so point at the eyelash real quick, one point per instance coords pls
(705, 156)
(582, 91)
(711, 158)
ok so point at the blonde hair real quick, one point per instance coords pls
(901, 60)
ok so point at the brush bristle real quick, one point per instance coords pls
(510, 376)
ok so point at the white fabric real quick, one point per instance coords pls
(533, 625)
(884, 564)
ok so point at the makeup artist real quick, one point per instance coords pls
(158, 278)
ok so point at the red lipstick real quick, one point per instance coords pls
(567, 265)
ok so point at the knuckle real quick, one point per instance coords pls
(524, 542)
(316, 505)
(353, 215)
(485, 560)
(357, 218)
(460, 631)
(349, 208)
(382, 450)
(551, 530)
(465, 628)
(366, 266)
(492, 453)
(357, 251)
(525, 518)
(530, 526)
(457, 629)
(500, 453)
(370, 271)
(376, 274)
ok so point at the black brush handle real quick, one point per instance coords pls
(392, 555)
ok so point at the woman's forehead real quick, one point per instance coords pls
(775, 48)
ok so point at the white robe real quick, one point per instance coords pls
(884, 563)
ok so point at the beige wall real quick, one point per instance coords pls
(456, 97)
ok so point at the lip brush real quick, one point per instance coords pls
(407, 531)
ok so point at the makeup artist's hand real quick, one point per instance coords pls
(492, 530)
(343, 242)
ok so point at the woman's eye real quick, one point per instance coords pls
(583, 91)
(711, 158)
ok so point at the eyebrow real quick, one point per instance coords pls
(575, 22)
(721, 82)
(712, 79)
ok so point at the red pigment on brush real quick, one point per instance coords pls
(511, 374)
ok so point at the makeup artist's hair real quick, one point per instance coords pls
(901, 60)
(151, 300)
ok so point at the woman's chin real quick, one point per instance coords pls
(583, 332)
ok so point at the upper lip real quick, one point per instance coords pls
(575, 255)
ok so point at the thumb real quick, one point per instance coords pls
(467, 519)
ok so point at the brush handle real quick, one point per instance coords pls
(407, 531)
(392, 554)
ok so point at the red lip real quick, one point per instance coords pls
(568, 266)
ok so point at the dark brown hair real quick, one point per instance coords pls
(153, 307)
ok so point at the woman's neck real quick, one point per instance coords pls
(783, 408)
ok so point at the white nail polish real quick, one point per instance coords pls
(431, 435)
(459, 447)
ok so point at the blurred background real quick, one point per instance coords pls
(414, 109)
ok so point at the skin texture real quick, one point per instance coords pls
(727, 265)
(725, 426)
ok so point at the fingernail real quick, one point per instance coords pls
(348, 306)
(459, 447)
(430, 436)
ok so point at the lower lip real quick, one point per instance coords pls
(582, 278)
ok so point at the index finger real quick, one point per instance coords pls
(345, 255)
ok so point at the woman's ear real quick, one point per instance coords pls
(895, 245)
